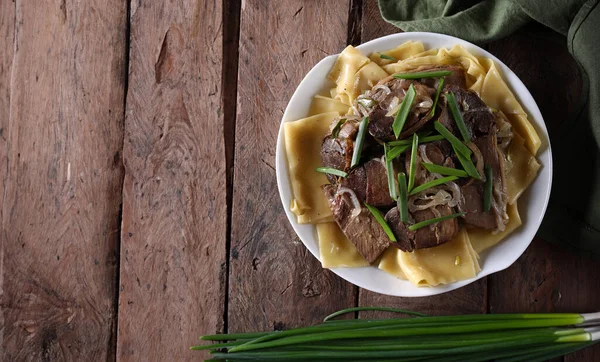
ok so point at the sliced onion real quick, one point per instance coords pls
(435, 197)
(454, 189)
(423, 154)
(427, 103)
(356, 207)
(393, 107)
(383, 87)
(478, 158)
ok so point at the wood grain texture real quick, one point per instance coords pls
(63, 88)
(174, 196)
(274, 281)
(470, 299)
(372, 24)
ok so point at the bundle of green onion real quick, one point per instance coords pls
(498, 337)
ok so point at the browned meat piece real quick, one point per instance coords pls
(472, 204)
(436, 234)
(404, 236)
(360, 228)
(348, 129)
(425, 237)
(457, 78)
(357, 182)
(488, 145)
(369, 183)
(378, 191)
(477, 116)
(336, 153)
(380, 125)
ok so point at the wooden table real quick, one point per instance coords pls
(138, 195)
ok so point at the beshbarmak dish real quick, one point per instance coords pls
(413, 163)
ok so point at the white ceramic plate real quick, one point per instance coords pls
(532, 204)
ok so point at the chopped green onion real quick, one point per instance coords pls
(442, 170)
(419, 75)
(403, 198)
(422, 139)
(389, 167)
(434, 220)
(430, 184)
(412, 170)
(487, 192)
(458, 117)
(384, 225)
(397, 151)
(456, 143)
(402, 114)
(360, 140)
(336, 129)
(468, 165)
(331, 171)
(437, 96)
(388, 57)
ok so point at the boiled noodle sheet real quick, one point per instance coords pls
(353, 73)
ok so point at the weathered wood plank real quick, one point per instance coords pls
(62, 72)
(470, 299)
(274, 282)
(174, 195)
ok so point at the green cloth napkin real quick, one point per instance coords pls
(573, 215)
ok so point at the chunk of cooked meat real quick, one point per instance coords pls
(369, 183)
(404, 237)
(360, 227)
(380, 123)
(472, 204)
(478, 117)
(357, 182)
(457, 78)
(336, 153)
(425, 237)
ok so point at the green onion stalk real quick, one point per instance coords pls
(478, 337)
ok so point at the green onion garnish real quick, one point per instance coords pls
(442, 170)
(419, 75)
(422, 139)
(437, 96)
(388, 57)
(481, 337)
(402, 114)
(456, 143)
(434, 220)
(458, 117)
(430, 184)
(468, 165)
(360, 140)
(413, 162)
(403, 198)
(379, 217)
(389, 166)
(487, 192)
(336, 129)
(331, 171)
(397, 151)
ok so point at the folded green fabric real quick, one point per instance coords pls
(573, 215)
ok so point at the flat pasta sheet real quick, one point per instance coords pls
(355, 73)
(303, 140)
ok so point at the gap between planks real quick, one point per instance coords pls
(229, 86)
